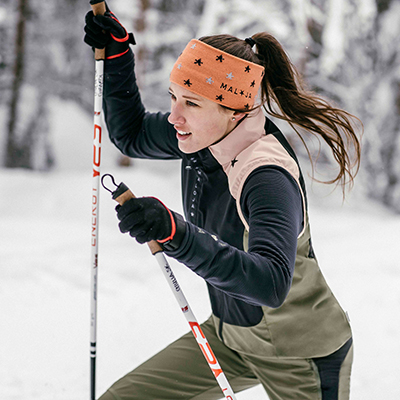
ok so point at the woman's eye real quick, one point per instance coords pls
(188, 102)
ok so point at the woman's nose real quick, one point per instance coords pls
(176, 117)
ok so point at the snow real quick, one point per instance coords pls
(45, 276)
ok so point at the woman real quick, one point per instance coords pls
(274, 319)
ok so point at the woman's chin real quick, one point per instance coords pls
(187, 147)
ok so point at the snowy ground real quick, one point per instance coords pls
(45, 279)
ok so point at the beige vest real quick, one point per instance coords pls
(310, 323)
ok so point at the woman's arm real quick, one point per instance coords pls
(272, 204)
(134, 131)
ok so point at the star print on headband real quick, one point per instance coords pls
(217, 75)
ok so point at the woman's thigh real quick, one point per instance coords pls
(325, 378)
(180, 371)
(287, 378)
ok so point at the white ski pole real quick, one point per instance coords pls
(98, 8)
(123, 194)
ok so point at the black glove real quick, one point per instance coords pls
(106, 31)
(146, 218)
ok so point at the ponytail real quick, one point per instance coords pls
(283, 97)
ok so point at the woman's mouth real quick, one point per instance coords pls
(182, 135)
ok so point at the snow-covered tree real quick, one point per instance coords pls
(348, 51)
(45, 58)
(359, 67)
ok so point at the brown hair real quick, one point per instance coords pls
(282, 85)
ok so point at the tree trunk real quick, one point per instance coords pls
(18, 151)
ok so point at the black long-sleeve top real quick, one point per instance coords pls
(239, 282)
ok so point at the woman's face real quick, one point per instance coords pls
(199, 122)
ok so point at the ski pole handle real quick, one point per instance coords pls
(99, 8)
(122, 194)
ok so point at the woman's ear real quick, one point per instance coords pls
(238, 116)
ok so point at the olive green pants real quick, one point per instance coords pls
(180, 371)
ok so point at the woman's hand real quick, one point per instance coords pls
(106, 31)
(147, 218)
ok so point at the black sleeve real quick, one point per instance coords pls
(272, 204)
(134, 131)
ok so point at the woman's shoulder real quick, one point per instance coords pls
(267, 151)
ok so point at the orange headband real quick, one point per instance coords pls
(217, 75)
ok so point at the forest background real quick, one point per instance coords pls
(347, 50)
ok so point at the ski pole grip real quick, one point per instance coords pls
(99, 8)
(122, 194)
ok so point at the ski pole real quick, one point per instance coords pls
(98, 8)
(122, 194)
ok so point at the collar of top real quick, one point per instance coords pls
(218, 76)
(245, 134)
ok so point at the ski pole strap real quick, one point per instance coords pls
(122, 194)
